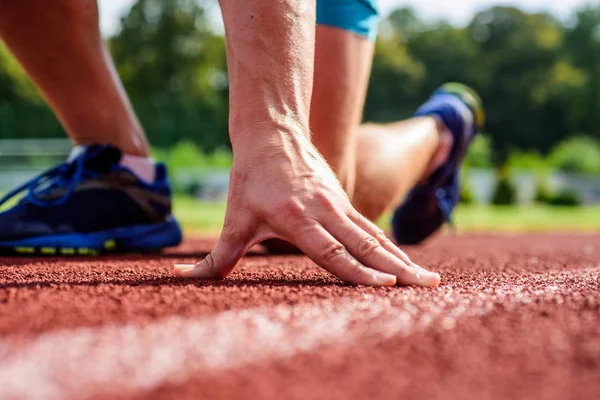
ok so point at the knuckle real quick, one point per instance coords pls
(324, 201)
(210, 262)
(291, 208)
(404, 272)
(357, 272)
(211, 265)
(368, 246)
(333, 252)
(382, 238)
(406, 257)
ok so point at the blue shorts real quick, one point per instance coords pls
(358, 16)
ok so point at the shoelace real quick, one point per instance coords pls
(58, 176)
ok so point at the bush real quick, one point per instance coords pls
(578, 154)
(479, 154)
(505, 192)
(530, 161)
(566, 197)
(186, 155)
(466, 195)
(543, 193)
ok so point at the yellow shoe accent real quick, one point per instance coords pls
(25, 250)
(110, 244)
(48, 250)
(67, 251)
(469, 96)
(83, 251)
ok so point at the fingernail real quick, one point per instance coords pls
(181, 269)
(384, 279)
(184, 266)
(425, 277)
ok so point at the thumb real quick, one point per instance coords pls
(218, 264)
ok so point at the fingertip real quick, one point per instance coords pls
(435, 279)
(426, 277)
(182, 271)
(429, 279)
(191, 271)
(179, 267)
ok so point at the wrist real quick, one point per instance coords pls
(272, 133)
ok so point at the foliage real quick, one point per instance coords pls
(479, 154)
(539, 79)
(395, 75)
(527, 160)
(174, 69)
(466, 196)
(13, 80)
(505, 192)
(466, 193)
(578, 154)
(186, 154)
(565, 197)
(543, 193)
(534, 217)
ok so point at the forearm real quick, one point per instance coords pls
(270, 57)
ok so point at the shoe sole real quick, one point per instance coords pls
(131, 239)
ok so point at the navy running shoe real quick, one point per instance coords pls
(87, 206)
(431, 203)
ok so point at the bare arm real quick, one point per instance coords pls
(281, 187)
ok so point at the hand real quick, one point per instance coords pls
(283, 188)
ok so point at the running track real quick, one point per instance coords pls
(515, 317)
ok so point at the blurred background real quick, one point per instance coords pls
(536, 66)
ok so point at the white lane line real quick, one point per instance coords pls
(108, 360)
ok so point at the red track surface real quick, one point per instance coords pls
(515, 317)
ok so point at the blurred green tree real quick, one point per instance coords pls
(516, 57)
(539, 77)
(582, 47)
(578, 154)
(173, 67)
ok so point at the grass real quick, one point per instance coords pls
(534, 218)
(200, 217)
(206, 218)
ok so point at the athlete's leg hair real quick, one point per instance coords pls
(60, 47)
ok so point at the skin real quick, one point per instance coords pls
(271, 59)
(63, 53)
(377, 164)
(271, 66)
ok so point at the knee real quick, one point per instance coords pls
(358, 16)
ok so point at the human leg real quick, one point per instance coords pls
(378, 164)
(387, 159)
(61, 49)
(109, 195)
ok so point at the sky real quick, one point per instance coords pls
(455, 11)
